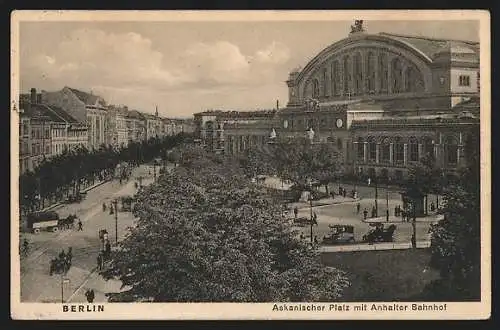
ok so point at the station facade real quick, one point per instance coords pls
(384, 100)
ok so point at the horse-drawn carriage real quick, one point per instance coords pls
(49, 221)
(379, 233)
(339, 234)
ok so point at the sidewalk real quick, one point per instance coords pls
(323, 202)
(394, 219)
(373, 247)
(95, 185)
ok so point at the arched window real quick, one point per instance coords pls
(315, 88)
(361, 148)
(451, 147)
(372, 149)
(371, 72)
(399, 150)
(413, 146)
(324, 89)
(385, 153)
(347, 74)
(408, 80)
(358, 74)
(428, 146)
(397, 75)
(335, 78)
(383, 73)
(339, 144)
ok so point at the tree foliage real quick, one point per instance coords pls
(205, 234)
(456, 240)
(63, 174)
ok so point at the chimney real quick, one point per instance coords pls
(33, 97)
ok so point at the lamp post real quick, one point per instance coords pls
(387, 200)
(376, 194)
(115, 202)
(311, 208)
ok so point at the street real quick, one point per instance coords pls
(346, 213)
(36, 283)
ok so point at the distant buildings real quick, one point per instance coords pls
(52, 122)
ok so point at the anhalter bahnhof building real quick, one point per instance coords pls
(385, 100)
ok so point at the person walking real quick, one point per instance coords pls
(315, 218)
(365, 213)
(89, 294)
(344, 192)
(387, 215)
(396, 211)
(69, 256)
(295, 211)
(315, 239)
(104, 207)
(80, 225)
(358, 207)
(99, 261)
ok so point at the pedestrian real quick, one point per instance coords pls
(80, 225)
(340, 191)
(396, 211)
(315, 239)
(89, 294)
(315, 218)
(107, 249)
(295, 211)
(403, 215)
(104, 207)
(99, 261)
(25, 246)
(365, 213)
(69, 255)
(387, 215)
(333, 194)
(62, 255)
(358, 207)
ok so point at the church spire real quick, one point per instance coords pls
(156, 112)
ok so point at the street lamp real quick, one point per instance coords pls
(115, 202)
(311, 208)
(387, 199)
(376, 194)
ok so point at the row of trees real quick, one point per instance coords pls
(297, 160)
(205, 234)
(64, 174)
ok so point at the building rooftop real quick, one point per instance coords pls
(88, 99)
(433, 46)
(238, 114)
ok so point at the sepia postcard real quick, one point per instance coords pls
(219, 165)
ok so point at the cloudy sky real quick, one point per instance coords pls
(188, 67)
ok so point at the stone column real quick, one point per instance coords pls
(389, 74)
(377, 152)
(364, 72)
(391, 153)
(377, 73)
(405, 153)
(403, 78)
(420, 151)
(365, 152)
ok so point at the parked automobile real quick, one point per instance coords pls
(339, 234)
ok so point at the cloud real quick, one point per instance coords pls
(276, 53)
(128, 66)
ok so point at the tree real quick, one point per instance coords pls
(205, 234)
(456, 240)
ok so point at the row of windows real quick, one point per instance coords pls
(37, 133)
(38, 149)
(348, 77)
(464, 80)
(451, 150)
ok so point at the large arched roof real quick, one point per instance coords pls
(424, 48)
